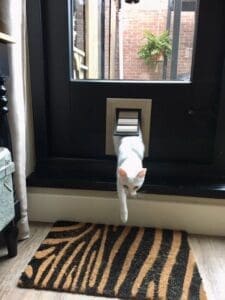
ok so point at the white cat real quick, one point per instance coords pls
(130, 173)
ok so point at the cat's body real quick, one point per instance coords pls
(130, 173)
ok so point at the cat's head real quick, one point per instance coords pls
(131, 184)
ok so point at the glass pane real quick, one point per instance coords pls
(133, 40)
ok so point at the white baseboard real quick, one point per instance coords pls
(195, 215)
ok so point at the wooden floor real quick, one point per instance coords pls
(209, 252)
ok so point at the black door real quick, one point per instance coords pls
(70, 115)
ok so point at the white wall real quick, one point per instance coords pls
(195, 215)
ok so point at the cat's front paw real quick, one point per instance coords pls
(124, 216)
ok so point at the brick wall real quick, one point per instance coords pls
(79, 25)
(136, 20)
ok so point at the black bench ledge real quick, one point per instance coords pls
(187, 179)
(172, 186)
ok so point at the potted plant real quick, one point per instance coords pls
(156, 47)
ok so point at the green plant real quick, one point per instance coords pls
(156, 47)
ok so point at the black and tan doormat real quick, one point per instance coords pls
(115, 261)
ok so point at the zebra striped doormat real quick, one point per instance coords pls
(115, 261)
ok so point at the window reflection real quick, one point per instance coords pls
(147, 40)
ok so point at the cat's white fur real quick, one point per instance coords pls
(130, 173)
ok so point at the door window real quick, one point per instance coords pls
(147, 40)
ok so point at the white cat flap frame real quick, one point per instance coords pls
(112, 104)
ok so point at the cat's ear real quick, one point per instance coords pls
(122, 172)
(142, 173)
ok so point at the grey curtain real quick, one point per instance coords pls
(13, 22)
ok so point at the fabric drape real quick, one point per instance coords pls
(13, 22)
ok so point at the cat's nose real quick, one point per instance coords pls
(133, 194)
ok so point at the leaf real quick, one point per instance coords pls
(155, 45)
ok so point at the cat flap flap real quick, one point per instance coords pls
(127, 122)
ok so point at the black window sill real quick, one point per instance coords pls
(175, 186)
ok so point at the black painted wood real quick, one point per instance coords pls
(219, 150)
(171, 186)
(10, 234)
(38, 76)
(186, 133)
(182, 129)
(162, 178)
(5, 138)
(58, 79)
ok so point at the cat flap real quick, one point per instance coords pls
(127, 122)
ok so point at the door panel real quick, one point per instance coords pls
(174, 129)
(183, 117)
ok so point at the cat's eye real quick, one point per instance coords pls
(125, 186)
(136, 187)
